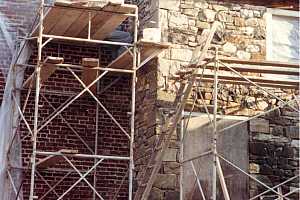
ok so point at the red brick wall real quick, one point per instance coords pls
(82, 116)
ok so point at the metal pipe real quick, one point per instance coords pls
(70, 102)
(21, 114)
(214, 142)
(64, 65)
(222, 180)
(46, 182)
(87, 40)
(69, 125)
(46, 153)
(54, 186)
(12, 183)
(82, 177)
(89, 25)
(290, 179)
(96, 137)
(198, 156)
(289, 193)
(36, 106)
(198, 181)
(102, 106)
(250, 176)
(181, 156)
(136, 62)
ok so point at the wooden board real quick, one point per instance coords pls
(282, 86)
(47, 69)
(89, 74)
(79, 25)
(256, 79)
(260, 63)
(259, 69)
(70, 16)
(70, 20)
(125, 60)
(54, 159)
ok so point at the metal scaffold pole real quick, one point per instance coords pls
(136, 63)
(37, 96)
(214, 140)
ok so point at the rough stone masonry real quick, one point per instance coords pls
(273, 139)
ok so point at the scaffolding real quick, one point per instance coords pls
(67, 22)
(204, 69)
(137, 54)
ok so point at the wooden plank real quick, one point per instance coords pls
(124, 61)
(258, 69)
(47, 69)
(282, 86)
(80, 25)
(97, 22)
(260, 63)
(89, 74)
(54, 159)
(110, 24)
(63, 24)
(256, 79)
(52, 16)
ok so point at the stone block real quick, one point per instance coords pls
(171, 167)
(292, 132)
(156, 194)
(207, 15)
(253, 168)
(170, 4)
(165, 181)
(193, 12)
(201, 4)
(178, 20)
(253, 48)
(181, 54)
(260, 126)
(238, 21)
(252, 22)
(295, 143)
(258, 148)
(170, 155)
(277, 130)
(202, 25)
(243, 55)
(219, 8)
(172, 195)
(229, 48)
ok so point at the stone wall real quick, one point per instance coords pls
(274, 151)
(181, 22)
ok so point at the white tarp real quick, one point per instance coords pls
(285, 38)
(8, 122)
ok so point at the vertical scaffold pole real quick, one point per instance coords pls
(214, 145)
(181, 156)
(37, 94)
(136, 58)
